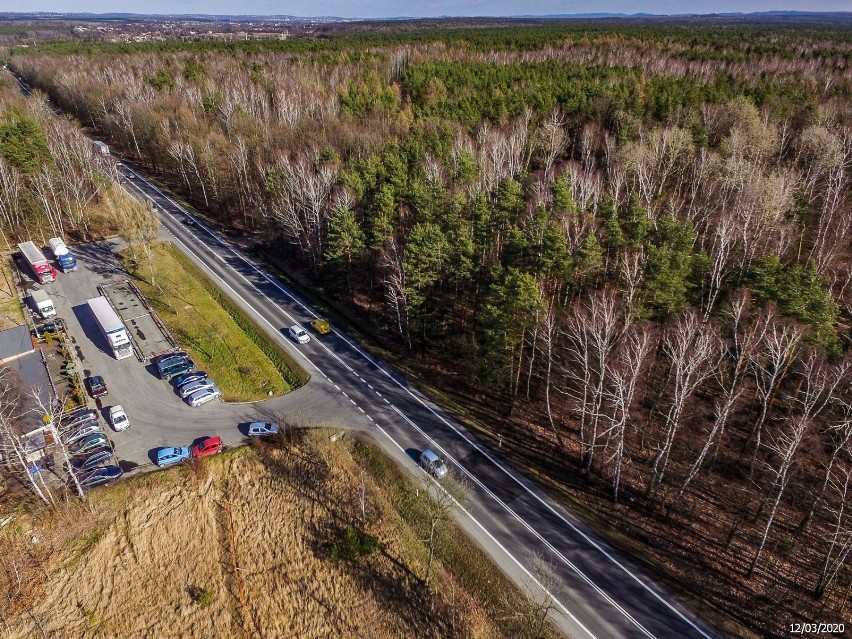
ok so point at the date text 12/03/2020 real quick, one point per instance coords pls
(817, 628)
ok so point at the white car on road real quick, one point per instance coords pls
(118, 418)
(298, 334)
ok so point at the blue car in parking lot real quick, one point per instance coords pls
(100, 476)
(169, 456)
(188, 378)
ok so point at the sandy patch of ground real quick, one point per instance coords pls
(239, 546)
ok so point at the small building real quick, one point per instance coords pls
(100, 148)
(15, 343)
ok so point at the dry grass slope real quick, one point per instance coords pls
(158, 558)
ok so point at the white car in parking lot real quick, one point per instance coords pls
(203, 396)
(194, 387)
(298, 334)
(118, 418)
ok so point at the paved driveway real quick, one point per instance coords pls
(158, 417)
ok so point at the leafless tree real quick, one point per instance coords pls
(838, 432)
(769, 365)
(302, 202)
(549, 335)
(784, 445)
(724, 238)
(552, 138)
(395, 288)
(693, 350)
(819, 380)
(840, 536)
(590, 334)
(623, 375)
(730, 375)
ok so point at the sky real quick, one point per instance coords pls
(419, 8)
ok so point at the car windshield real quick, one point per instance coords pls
(120, 418)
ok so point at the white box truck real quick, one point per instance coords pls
(43, 304)
(112, 327)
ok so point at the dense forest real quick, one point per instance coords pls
(627, 245)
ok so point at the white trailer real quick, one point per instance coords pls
(43, 304)
(112, 327)
(60, 251)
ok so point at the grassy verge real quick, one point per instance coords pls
(11, 311)
(227, 344)
(475, 571)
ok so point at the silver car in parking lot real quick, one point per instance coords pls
(203, 396)
(194, 387)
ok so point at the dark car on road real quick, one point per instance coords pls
(97, 387)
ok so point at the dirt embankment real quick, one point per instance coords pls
(239, 545)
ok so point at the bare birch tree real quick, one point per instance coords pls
(694, 351)
(590, 336)
(769, 365)
(623, 375)
(730, 375)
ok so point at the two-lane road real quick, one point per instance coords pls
(596, 592)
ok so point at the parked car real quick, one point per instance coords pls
(321, 326)
(298, 334)
(53, 326)
(172, 368)
(189, 378)
(172, 355)
(92, 458)
(100, 476)
(169, 456)
(433, 464)
(89, 428)
(77, 418)
(118, 418)
(203, 396)
(262, 429)
(97, 387)
(194, 387)
(88, 444)
(207, 446)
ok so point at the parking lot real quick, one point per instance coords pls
(158, 416)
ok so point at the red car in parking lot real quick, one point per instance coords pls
(207, 446)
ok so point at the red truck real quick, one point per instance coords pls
(39, 265)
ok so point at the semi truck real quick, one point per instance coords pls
(67, 261)
(43, 304)
(39, 265)
(112, 327)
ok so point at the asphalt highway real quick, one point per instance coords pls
(595, 592)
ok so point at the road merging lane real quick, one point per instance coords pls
(166, 204)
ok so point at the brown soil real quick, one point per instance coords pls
(234, 546)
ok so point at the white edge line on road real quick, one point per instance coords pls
(532, 530)
(419, 400)
(532, 577)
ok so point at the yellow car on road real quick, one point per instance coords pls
(321, 326)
